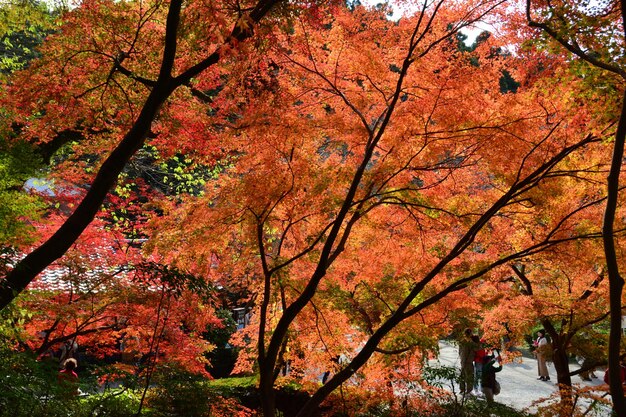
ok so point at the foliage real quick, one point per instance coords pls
(477, 409)
(588, 402)
(440, 375)
(150, 177)
(223, 357)
(30, 387)
(18, 208)
(111, 403)
(181, 394)
(23, 26)
(364, 185)
(363, 216)
(103, 298)
(173, 175)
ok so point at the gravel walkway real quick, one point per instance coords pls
(518, 380)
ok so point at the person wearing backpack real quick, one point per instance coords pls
(489, 384)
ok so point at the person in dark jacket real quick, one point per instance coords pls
(491, 366)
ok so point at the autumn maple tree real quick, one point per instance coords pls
(145, 89)
(391, 180)
(352, 177)
(588, 32)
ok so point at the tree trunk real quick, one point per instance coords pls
(266, 391)
(616, 282)
(561, 364)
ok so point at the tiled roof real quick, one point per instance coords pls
(65, 280)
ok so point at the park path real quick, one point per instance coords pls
(520, 387)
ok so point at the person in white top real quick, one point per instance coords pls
(541, 344)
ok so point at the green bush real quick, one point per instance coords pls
(112, 403)
(477, 408)
(178, 393)
(29, 387)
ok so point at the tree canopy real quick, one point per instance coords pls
(361, 187)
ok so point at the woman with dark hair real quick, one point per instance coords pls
(68, 378)
(489, 384)
(541, 345)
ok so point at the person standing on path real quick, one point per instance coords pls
(479, 359)
(489, 384)
(467, 350)
(541, 346)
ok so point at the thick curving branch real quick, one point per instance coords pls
(29, 267)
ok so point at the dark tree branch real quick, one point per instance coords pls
(571, 45)
(35, 262)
